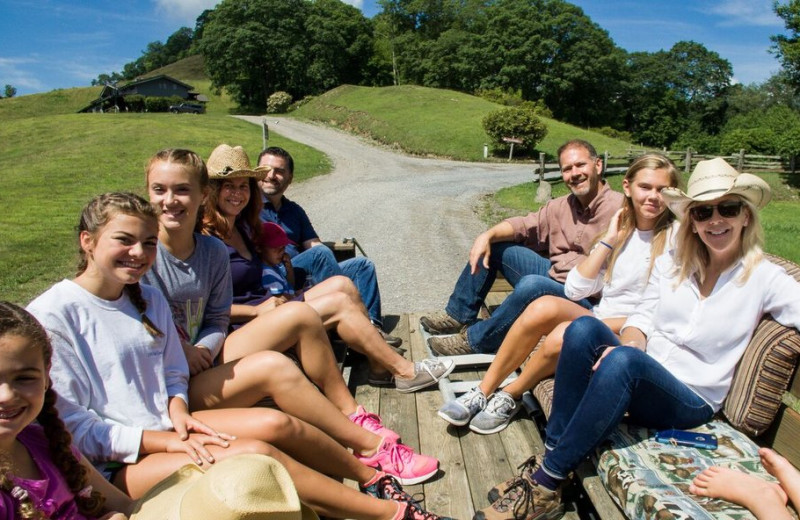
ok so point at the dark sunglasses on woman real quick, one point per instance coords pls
(727, 209)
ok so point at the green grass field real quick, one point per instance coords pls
(53, 165)
(781, 218)
(426, 121)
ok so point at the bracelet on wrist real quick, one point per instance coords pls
(607, 245)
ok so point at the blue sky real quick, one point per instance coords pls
(49, 44)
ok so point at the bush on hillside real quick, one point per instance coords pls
(613, 133)
(517, 122)
(751, 140)
(161, 104)
(300, 102)
(135, 102)
(501, 96)
(278, 102)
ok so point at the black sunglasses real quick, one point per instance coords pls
(727, 209)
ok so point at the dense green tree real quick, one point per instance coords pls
(256, 47)
(9, 91)
(787, 47)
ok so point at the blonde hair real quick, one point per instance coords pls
(99, 212)
(650, 161)
(191, 162)
(691, 253)
(15, 320)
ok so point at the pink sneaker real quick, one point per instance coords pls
(400, 461)
(372, 422)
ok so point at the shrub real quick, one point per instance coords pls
(507, 97)
(278, 102)
(751, 140)
(519, 122)
(135, 102)
(300, 102)
(613, 133)
(160, 104)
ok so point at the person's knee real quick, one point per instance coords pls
(345, 285)
(251, 446)
(579, 333)
(530, 287)
(621, 363)
(278, 426)
(300, 314)
(278, 365)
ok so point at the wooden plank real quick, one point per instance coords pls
(601, 500)
(449, 493)
(786, 434)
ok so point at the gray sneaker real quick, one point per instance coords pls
(498, 412)
(441, 323)
(426, 373)
(459, 411)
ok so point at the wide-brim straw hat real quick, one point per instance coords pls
(249, 486)
(715, 178)
(227, 162)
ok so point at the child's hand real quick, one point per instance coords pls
(199, 358)
(286, 260)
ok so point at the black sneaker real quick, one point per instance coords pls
(387, 487)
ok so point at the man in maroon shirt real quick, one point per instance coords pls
(534, 253)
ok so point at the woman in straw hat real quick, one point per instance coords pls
(673, 363)
(232, 215)
(243, 368)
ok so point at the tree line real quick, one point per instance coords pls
(544, 51)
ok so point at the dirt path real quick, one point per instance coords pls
(414, 217)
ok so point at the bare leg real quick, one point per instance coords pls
(767, 501)
(538, 319)
(244, 382)
(338, 310)
(296, 325)
(541, 364)
(783, 470)
(326, 496)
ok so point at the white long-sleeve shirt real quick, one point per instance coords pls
(700, 340)
(112, 377)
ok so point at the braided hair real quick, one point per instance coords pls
(99, 212)
(17, 321)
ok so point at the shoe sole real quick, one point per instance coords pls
(552, 515)
(414, 480)
(426, 385)
(496, 428)
(453, 421)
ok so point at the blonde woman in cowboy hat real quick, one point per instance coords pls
(673, 363)
(232, 214)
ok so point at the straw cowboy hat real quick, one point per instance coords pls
(713, 179)
(227, 162)
(251, 487)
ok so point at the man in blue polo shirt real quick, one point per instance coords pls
(310, 261)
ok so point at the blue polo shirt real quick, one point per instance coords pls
(293, 219)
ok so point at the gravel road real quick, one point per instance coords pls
(414, 217)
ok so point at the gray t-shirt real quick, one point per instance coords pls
(198, 289)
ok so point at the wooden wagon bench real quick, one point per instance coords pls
(632, 476)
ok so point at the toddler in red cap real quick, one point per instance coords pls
(277, 276)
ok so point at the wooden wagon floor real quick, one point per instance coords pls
(470, 464)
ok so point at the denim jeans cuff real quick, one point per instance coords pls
(551, 472)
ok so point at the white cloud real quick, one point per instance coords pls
(355, 3)
(185, 10)
(745, 13)
(14, 71)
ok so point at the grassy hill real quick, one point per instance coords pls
(53, 165)
(426, 121)
(61, 101)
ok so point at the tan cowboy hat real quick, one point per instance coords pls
(715, 178)
(250, 486)
(227, 162)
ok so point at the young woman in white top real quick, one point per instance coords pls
(673, 363)
(122, 376)
(618, 265)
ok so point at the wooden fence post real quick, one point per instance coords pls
(793, 162)
(740, 162)
(541, 165)
(687, 162)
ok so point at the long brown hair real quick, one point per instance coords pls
(17, 321)
(215, 223)
(650, 161)
(99, 212)
(191, 162)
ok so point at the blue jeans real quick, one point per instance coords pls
(588, 405)
(318, 263)
(525, 270)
